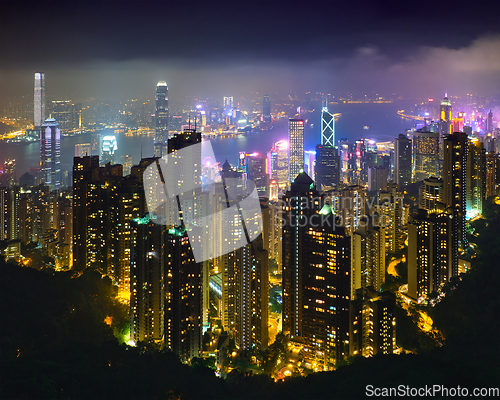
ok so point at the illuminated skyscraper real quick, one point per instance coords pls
(456, 149)
(316, 277)
(266, 110)
(425, 154)
(432, 259)
(445, 116)
(277, 164)
(431, 194)
(161, 119)
(492, 174)
(476, 178)
(327, 126)
(50, 154)
(296, 147)
(489, 122)
(377, 178)
(39, 100)
(402, 161)
(327, 167)
(256, 171)
(82, 149)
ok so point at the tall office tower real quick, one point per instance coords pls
(76, 116)
(458, 122)
(127, 164)
(272, 230)
(147, 282)
(358, 163)
(373, 323)
(432, 260)
(455, 150)
(296, 148)
(61, 112)
(327, 167)
(266, 110)
(50, 154)
(445, 116)
(39, 100)
(367, 257)
(278, 164)
(95, 215)
(108, 148)
(345, 153)
(431, 195)
(10, 222)
(492, 174)
(327, 126)
(402, 160)
(161, 119)
(256, 171)
(310, 162)
(351, 206)
(82, 150)
(377, 178)
(96, 145)
(489, 122)
(316, 277)
(425, 154)
(228, 108)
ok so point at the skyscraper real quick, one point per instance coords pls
(61, 112)
(456, 149)
(425, 154)
(316, 276)
(39, 100)
(476, 178)
(278, 164)
(402, 160)
(327, 168)
(296, 147)
(50, 154)
(327, 126)
(266, 110)
(161, 119)
(432, 259)
(377, 178)
(445, 120)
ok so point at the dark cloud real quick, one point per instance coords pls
(90, 48)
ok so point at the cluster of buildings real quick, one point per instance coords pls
(329, 220)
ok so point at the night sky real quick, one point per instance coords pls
(111, 49)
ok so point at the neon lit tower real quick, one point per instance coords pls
(296, 147)
(327, 126)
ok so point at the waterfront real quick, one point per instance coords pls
(381, 119)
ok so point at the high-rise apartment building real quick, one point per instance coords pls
(432, 259)
(367, 257)
(373, 323)
(492, 174)
(431, 195)
(377, 178)
(476, 179)
(296, 148)
(327, 169)
(147, 282)
(39, 100)
(50, 154)
(10, 221)
(456, 153)
(402, 161)
(316, 276)
(161, 119)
